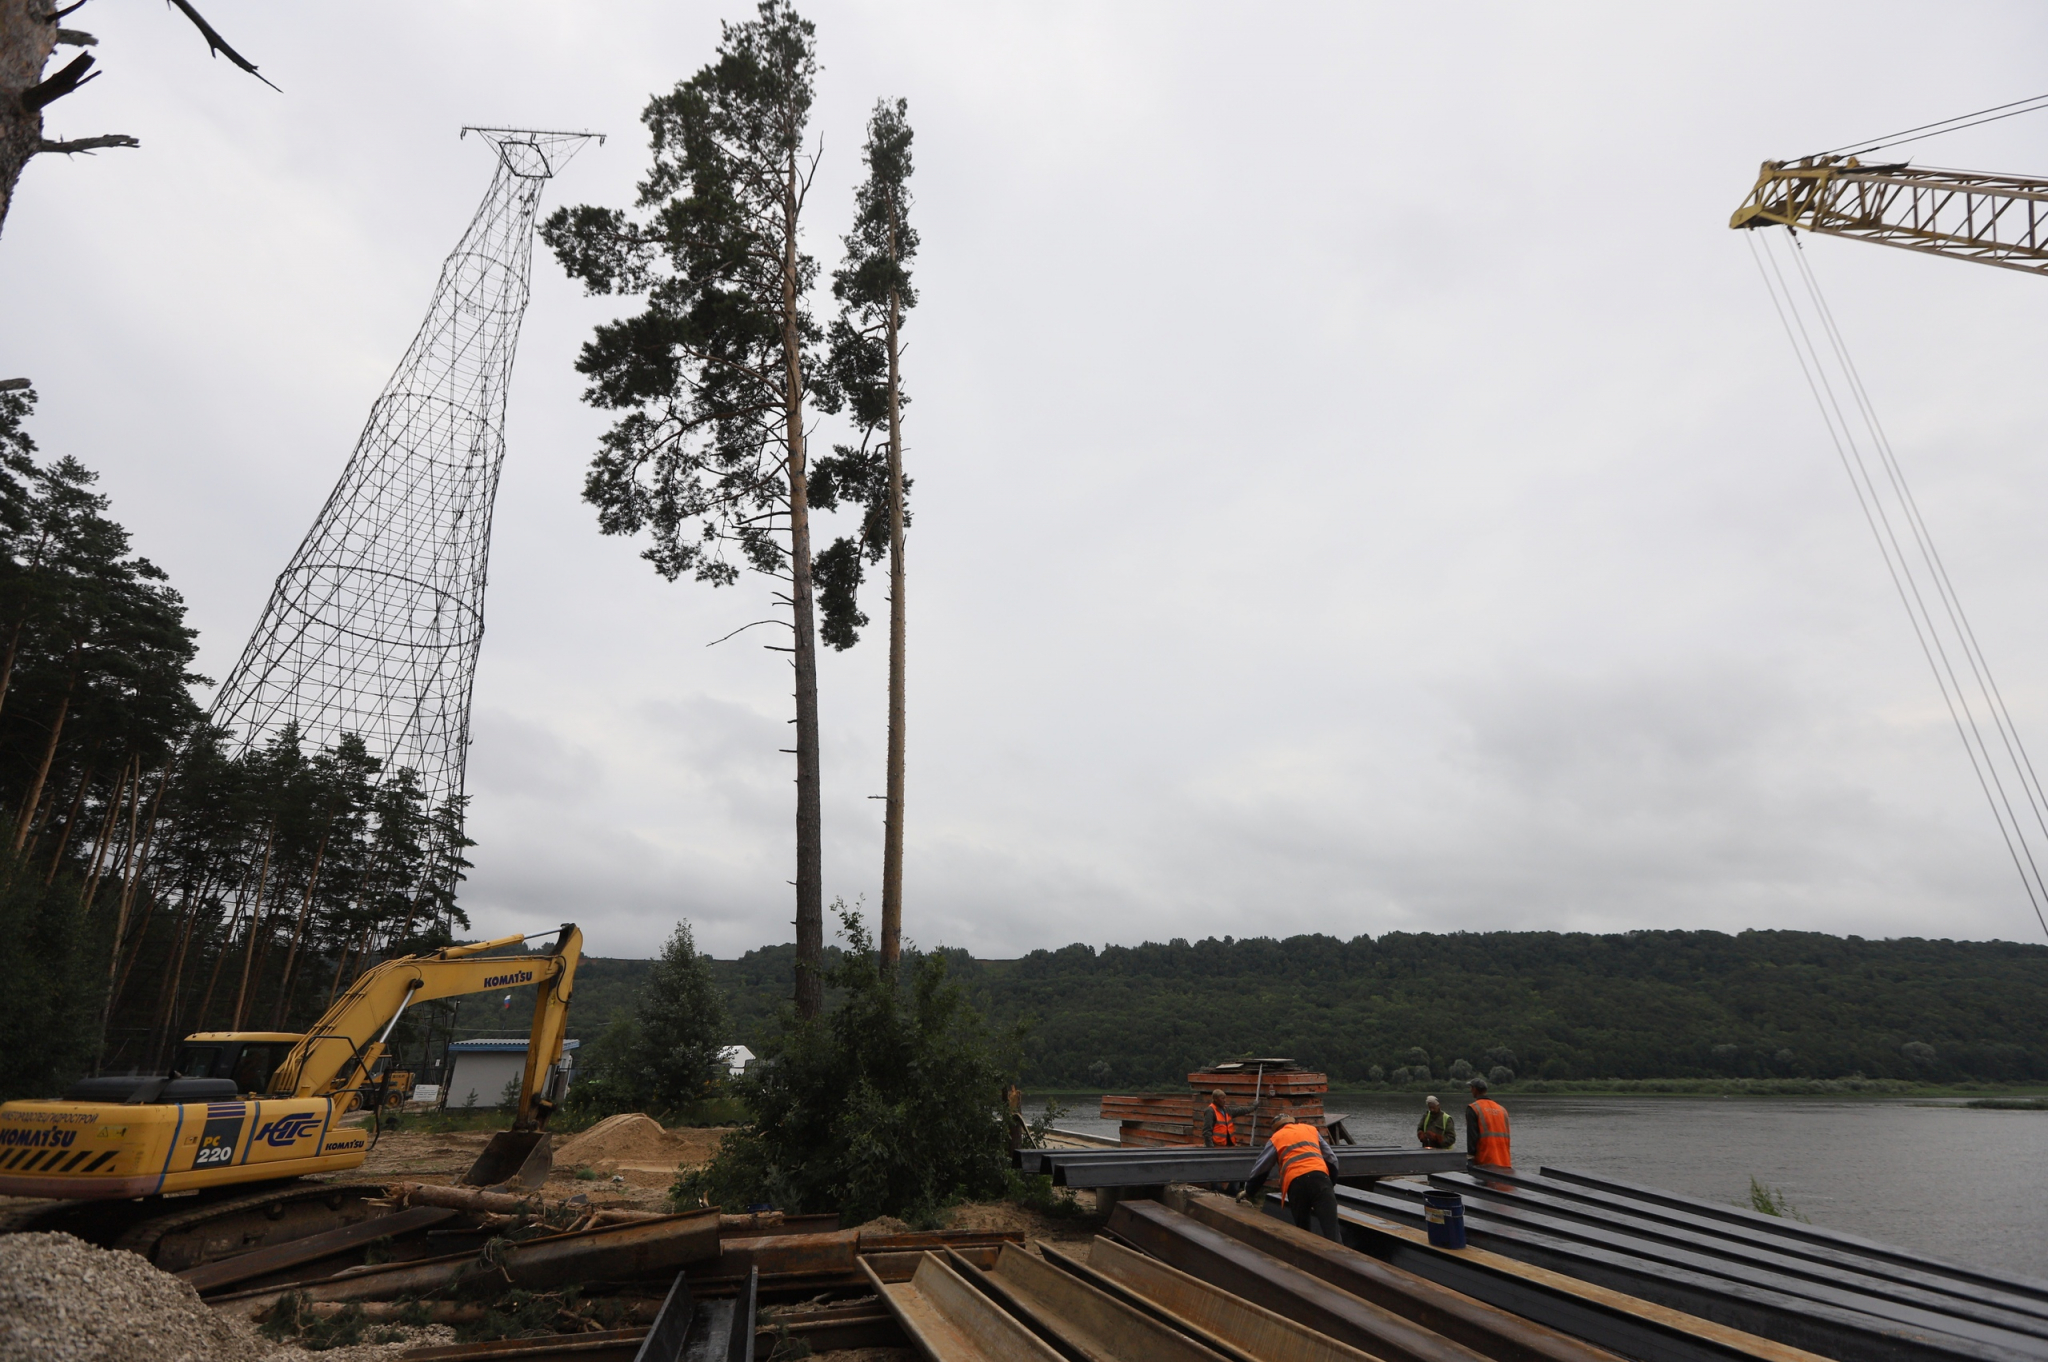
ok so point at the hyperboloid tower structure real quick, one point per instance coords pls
(374, 625)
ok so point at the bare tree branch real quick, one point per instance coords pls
(47, 92)
(216, 45)
(75, 145)
(73, 37)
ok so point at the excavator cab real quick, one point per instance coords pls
(249, 1058)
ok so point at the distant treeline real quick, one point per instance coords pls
(1550, 1005)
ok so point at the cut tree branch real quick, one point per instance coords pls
(74, 145)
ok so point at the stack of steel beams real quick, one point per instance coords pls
(1811, 1288)
(1159, 1167)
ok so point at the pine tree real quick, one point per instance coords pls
(682, 1027)
(874, 291)
(716, 374)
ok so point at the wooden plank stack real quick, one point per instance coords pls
(1259, 1093)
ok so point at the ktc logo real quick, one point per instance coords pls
(287, 1129)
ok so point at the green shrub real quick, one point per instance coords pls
(891, 1103)
(1035, 1192)
(1767, 1200)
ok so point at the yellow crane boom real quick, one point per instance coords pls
(247, 1107)
(1991, 219)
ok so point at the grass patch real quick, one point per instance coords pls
(2008, 1103)
(1765, 1199)
(1036, 1193)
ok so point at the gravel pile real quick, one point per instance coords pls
(63, 1300)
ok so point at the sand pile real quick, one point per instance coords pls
(64, 1300)
(631, 1138)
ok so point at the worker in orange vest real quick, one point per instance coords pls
(1219, 1127)
(1308, 1172)
(1486, 1129)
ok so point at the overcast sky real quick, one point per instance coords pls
(1361, 485)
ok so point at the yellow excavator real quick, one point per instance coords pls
(246, 1107)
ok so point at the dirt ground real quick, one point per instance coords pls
(423, 1156)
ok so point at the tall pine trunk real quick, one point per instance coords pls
(35, 791)
(291, 959)
(255, 927)
(810, 836)
(70, 823)
(892, 828)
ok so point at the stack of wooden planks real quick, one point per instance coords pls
(1259, 1093)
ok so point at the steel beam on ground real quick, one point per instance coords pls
(1258, 1276)
(1158, 1167)
(951, 1321)
(1627, 1324)
(1845, 1327)
(1810, 1234)
(1076, 1317)
(2011, 1295)
(291, 1253)
(1693, 1247)
(1486, 1329)
(1247, 1326)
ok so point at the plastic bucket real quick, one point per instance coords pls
(1445, 1214)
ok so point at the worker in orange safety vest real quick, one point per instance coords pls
(1219, 1127)
(1486, 1129)
(1308, 1172)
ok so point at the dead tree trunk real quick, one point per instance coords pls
(28, 35)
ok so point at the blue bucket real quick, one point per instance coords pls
(1445, 1214)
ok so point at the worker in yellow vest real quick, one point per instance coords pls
(1437, 1130)
(1308, 1173)
(1486, 1129)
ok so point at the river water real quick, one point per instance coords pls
(1946, 1180)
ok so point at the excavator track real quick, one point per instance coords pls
(175, 1234)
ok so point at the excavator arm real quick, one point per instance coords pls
(339, 1052)
(1991, 219)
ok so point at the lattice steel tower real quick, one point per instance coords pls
(374, 625)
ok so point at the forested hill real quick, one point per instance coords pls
(1544, 1004)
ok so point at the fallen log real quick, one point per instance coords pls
(476, 1199)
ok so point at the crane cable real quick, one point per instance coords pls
(1994, 114)
(1912, 592)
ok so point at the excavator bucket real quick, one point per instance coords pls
(521, 1159)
